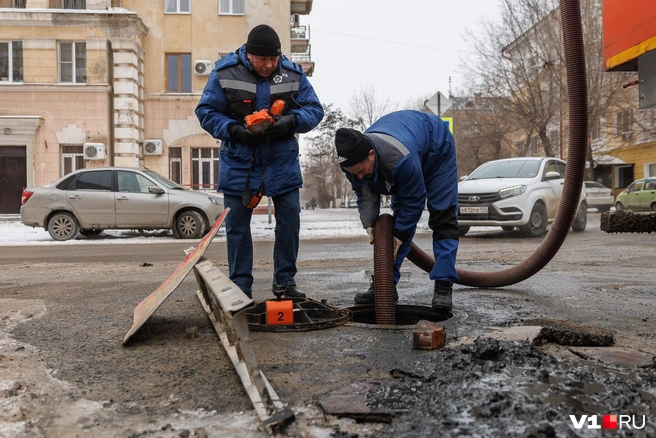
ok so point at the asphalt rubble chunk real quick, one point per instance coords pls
(513, 388)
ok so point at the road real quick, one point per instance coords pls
(65, 309)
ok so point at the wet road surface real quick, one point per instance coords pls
(65, 310)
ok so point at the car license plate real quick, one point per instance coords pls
(475, 210)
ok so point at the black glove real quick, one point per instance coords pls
(283, 127)
(241, 134)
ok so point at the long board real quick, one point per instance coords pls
(151, 303)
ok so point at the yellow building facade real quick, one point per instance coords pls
(91, 83)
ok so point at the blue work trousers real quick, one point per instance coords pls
(442, 199)
(240, 242)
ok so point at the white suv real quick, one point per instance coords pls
(515, 192)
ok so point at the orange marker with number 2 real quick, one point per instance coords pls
(280, 312)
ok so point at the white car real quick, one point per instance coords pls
(515, 192)
(599, 196)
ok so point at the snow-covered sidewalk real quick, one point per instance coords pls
(318, 223)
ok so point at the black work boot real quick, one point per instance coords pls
(290, 291)
(368, 297)
(442, 296)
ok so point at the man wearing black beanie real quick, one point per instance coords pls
(251, 79)
(410, 155)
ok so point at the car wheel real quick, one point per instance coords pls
(619, 206)
(507, 228)
(91, 232)
(537, 222)
(63, 226)
(653, 207)
(463, 229)
(581, 218)
(190, 225)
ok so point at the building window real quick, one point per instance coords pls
(72, 158)
(175, 165)
(18, 3)
(68, 4)
(595, 129)
(535, 146)
(623, 176)
(205, 164)
(651, 117)
(11, 61)
(231, 6)
(177, 6)
(73, 62)
(624, 124)
(178, 72)
(554, 141)
(650, 170)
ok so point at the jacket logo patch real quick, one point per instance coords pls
(277, 79)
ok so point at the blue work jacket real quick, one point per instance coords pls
(409, 147)
(233, 91)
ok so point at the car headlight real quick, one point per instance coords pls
(509, 192)
(216, 200)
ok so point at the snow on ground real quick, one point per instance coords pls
(319, 223)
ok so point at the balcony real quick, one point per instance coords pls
(304, 59)
(302, 7)
(300, 39)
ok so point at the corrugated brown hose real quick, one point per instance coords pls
(384, 297)
(570, 13)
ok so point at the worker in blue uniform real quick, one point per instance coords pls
(260, 161)
(411, 156)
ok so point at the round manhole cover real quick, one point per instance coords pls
(308, 315)
(407, 316)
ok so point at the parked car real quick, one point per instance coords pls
(640, 195)
(89, 201)
(515, 192)
(598, 196)
(352, 203)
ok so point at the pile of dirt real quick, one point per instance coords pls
(627, 221)
(508, 388)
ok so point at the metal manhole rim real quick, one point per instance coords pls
(453, 314)
(344, 315)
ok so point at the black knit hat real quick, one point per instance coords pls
(263, 41)
(352, 146)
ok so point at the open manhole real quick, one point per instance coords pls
(308, 315)
(407, 316)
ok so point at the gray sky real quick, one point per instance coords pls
(404, 49)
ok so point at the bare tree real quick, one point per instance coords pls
(481, 135)
(322, 174)
(607, 93)
(365, 107)
(522, 57)
(511, 55)
(417, 103)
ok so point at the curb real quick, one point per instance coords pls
(10, 218)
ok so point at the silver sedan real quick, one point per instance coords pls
(91, 200)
